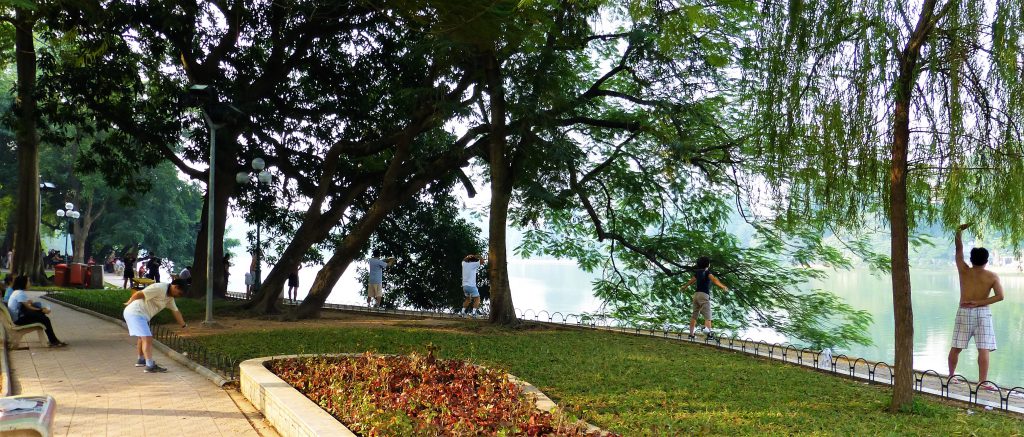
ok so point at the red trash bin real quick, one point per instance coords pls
(77, 275)
(60, 275)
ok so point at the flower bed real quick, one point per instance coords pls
(384, 395)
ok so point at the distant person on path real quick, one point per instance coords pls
(118, 267)
(702, 298)
(973, 317)
(293, 284)
(227, 270)
(25, 312)
(129, 270)
(153, 268)
(142, 307)
(10, 259)
(250, 278)
(470, 265)
(374, 287)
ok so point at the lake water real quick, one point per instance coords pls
(556, 285)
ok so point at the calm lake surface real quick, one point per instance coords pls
(556, 285)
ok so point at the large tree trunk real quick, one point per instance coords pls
(329, 275)
(502, 310)
(81, 230)
(198, 287)
(27, 249)
(903, 310)
(264, 301)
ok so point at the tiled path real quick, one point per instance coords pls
(99, 392)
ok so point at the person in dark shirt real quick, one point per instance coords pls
(702, 298)
(129, 270)
(153, 268)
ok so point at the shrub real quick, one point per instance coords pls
(417, 395)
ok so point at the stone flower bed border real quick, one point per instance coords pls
(294, 415)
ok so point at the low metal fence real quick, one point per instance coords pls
(955, 387)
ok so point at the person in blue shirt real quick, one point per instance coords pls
(25, 312)
(374, 287)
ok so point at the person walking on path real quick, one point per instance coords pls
(470, 264)
(129, 270)
(374, 288)
(702, 298)
(293, 284)
(973, 317)
(25, 312)
(142, 307)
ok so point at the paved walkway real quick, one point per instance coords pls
(100, 392)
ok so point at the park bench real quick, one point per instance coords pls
(17, 331)
(27, 415)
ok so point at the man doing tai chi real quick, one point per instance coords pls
(143, 306)
(702, 298)
(470, 264)
(973, 317)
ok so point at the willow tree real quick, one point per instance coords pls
(907, 111)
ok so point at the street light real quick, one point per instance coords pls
(70, 213)
(43, 185)
(263, 178)
(217, 115)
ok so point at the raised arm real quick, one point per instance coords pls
(960, 264)
(715, 281)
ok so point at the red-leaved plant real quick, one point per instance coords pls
(419, 395)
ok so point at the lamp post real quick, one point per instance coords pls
(69, 213)
(43, 185)
(217, 115)
(263, 178)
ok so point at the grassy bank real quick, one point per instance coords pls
(645, 386)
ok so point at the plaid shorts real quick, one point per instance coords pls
(974, 322)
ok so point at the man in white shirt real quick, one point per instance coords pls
(470, 264)
(145, 304)
(375, 284)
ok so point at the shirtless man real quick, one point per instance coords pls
(973, 318)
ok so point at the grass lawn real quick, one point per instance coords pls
(645, 386)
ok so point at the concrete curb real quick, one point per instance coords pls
(291, 413)
(5, 367)
(214, 377)
(295, 415)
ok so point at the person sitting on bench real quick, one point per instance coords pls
(25, 312)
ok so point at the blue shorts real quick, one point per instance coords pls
(470, 291)
(138, 325)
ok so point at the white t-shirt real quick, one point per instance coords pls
(469, 269)
(155, 299)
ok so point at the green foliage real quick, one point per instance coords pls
(646, 386)
(818, 107)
